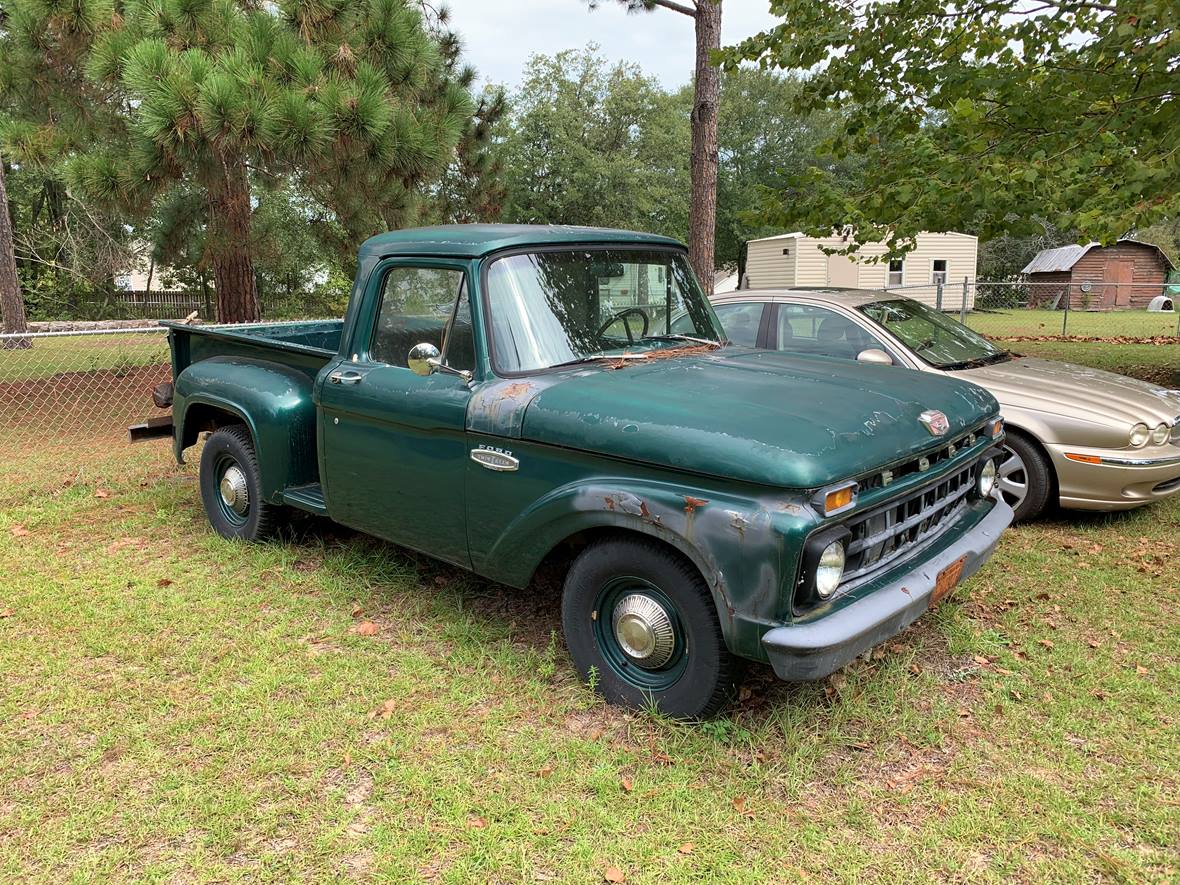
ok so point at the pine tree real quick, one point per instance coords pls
(706, 16)
(12, 305)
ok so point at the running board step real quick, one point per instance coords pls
(308, 497)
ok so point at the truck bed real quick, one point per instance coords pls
(304, 346)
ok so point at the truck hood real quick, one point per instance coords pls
(756, 416)
(1075, 391)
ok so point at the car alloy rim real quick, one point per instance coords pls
(638, 631)
(1012, 479)
(233, 491)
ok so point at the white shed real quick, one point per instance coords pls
(793, 259)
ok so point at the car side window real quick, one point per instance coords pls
(423, 305)
(806, 328)
(741, 321)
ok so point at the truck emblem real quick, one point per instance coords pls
(923, 464)
(886, 477)
(494, 459)
(935, 421)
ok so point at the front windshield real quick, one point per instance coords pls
(932, 335)
(556, 308)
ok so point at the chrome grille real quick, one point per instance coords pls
(922, 463)
(893, 530)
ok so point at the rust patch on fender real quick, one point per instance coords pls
(691, 503)
(518, 388)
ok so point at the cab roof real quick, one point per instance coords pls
(476, 240)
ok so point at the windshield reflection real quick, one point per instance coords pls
(932, 335)
(555, 308)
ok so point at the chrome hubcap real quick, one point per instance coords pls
(644, 631)
(1012, 479)
(234, 492)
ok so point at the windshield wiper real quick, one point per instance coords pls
(680, 338)
(594, 357)
(979, 361)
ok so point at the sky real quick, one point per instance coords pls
(500, 35)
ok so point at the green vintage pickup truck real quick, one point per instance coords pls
(505, 396)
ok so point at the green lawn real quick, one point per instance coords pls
(1082, 324)
(83, 353)
(177, 707)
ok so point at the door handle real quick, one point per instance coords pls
(345, 376)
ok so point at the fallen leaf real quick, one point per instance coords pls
(102, 493)
(366, 628)
(981, 660)
(385, 710)
(357, 610)
(1141, 670)
(1048, 643)
(614, 874)
(477, 823)
(686, 848)
(6, 613)
(739, 804)
(627, 784)
(164, 582)
(19, 531)
(545, 771)
(1094, 643)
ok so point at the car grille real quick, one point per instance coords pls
(893, 530)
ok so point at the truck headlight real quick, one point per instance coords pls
(986, 484)
(829, 570)
(1160, 435)
(1139, 435)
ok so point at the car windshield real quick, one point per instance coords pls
(936, 338)
(557, 308)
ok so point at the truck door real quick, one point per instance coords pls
(392, 450)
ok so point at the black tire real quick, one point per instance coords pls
(232, 448)
(1024, 464)
(701, 674)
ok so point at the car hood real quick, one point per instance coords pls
(755, 416)
(1075, 392)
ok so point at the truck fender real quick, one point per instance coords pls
(737, 544)
(273, 401)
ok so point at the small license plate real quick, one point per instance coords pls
(947, 580)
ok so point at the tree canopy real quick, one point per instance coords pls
(990, 116)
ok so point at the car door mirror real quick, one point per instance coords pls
(875, 355)
(423, 358)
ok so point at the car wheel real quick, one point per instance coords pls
(1024, 479)
(642, 627)
(231, 487)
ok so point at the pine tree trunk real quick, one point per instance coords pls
(12, 305)
(702, 215)
(229, 245)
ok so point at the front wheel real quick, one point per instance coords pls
(1023, 478)
(642, 626)
(231, 487)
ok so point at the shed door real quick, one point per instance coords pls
(843, 272)
(1118, 276)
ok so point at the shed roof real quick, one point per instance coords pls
(474, 240)
(1063, 258)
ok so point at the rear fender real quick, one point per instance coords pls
(273, 401)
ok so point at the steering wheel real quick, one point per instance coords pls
(622, 315)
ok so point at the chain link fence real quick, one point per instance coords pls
(78, 385)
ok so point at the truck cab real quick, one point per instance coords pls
(502, 396)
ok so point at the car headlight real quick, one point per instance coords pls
(986, 484)
(1139, 435)
(1160, 435)
(830, 569)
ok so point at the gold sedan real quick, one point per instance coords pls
(1087, 439)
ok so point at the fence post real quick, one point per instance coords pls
(938, 294)
(963, 306)
(1065, 316)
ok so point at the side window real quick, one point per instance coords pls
(418, 305)
(938, 271)
(896, 272)
(740, 321)
(805, 328)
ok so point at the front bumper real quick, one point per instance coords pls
(1121, 479)
(813, 649)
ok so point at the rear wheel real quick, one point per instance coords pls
(1024, 478)
(231, 487)
(641, 624)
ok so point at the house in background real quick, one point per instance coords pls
(1126, 274)
(794, 259)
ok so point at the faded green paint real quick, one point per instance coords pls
(716, 454)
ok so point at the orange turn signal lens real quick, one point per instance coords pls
(997, 428)
(1085, 459)
(838, 499)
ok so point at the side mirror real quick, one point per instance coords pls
(875, 355)
(424, 359)
(420, 358)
